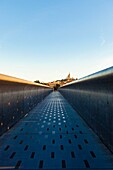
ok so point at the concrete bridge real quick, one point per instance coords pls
(68, 129)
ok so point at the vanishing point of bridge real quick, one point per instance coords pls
(67, 129)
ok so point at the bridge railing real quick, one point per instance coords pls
(17, 98)
(92, 98)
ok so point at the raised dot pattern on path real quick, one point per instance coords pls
(53, 136)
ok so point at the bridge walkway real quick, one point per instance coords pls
(53, 136)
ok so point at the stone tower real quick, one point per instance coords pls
(68, 77)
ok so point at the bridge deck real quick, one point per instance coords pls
(53, 136)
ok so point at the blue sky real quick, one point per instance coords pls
(46, 39)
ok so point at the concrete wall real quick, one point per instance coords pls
(92, 98)
(18, 97)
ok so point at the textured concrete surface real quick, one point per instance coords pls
(53, 136)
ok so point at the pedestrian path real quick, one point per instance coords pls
(53, 136)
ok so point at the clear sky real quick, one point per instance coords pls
(46, 39)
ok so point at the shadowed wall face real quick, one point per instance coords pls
(93, 100)
(17, 99)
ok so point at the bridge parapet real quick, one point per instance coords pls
(17, 98)
(92, 97)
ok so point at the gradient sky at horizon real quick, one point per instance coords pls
(46, 39)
